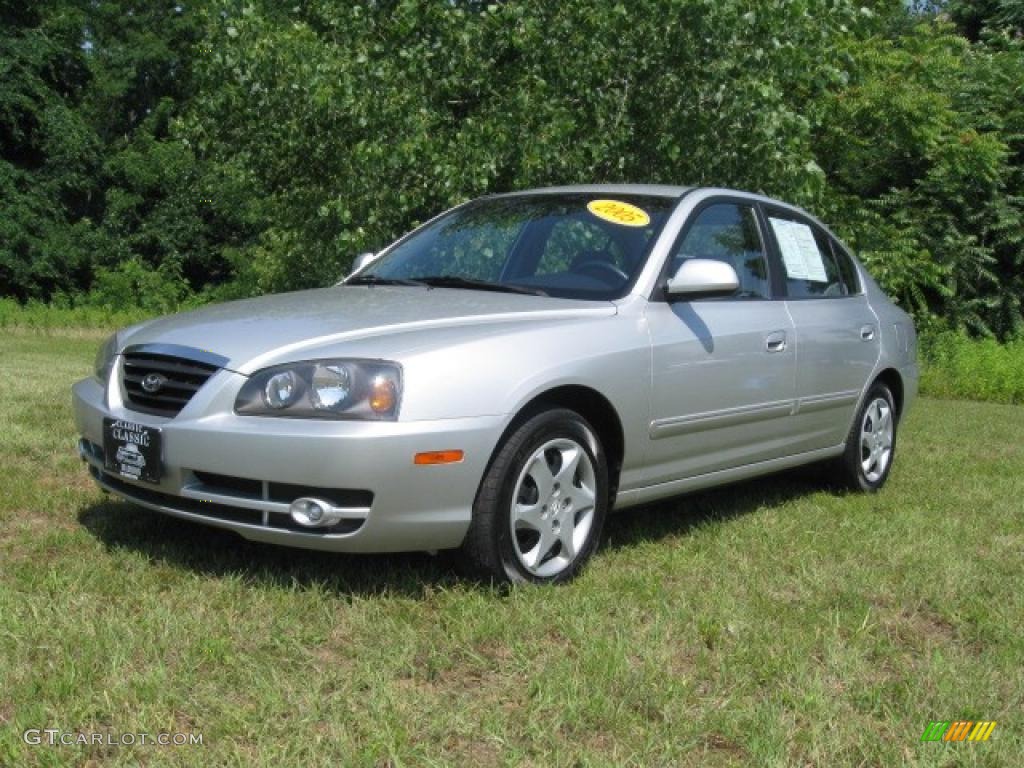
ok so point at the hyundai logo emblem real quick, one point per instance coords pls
(153, 382)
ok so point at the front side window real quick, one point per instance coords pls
(567, 245)
(728, 232)
(809, 265)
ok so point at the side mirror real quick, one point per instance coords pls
(362, 260)
(703, 276)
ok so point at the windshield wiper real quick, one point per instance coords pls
(454, 281)
(377, 280)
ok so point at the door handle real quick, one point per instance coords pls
(776, 342)
(867, 332)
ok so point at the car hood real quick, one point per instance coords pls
(253, 333)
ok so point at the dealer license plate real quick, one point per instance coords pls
(132, 450)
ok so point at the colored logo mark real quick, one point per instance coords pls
(958, 730)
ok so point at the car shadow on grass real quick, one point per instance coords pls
(218, 553)
(681, 514)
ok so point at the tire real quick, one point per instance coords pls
(533, 521)
(871, 444)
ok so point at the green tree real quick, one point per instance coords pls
(157, 209)
(348, 124)
(924, 175)
(48, 153)
(234, 147)
(975, 17)
(92, 174)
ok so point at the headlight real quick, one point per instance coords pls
(324, 389)
(332, 386)
(105, 359)
(281, 390)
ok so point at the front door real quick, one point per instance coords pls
(723, 388)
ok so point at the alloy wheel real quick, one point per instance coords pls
(553, 507)
(876, 435)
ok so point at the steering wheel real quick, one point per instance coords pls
(597, 267)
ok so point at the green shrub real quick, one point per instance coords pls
(122, 296)
(132, 285)
(62, 317)
(956, 366)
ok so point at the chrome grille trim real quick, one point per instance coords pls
(186, 354)
(183, 376)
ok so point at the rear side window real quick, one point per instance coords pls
(728, 232)
(809, 266)
(846, 267)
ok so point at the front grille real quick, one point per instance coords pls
(281, 493)
(182, 378)
(228, 485)
(196, 507)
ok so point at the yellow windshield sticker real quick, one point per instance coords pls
(619, 212)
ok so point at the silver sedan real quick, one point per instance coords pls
(505, 375)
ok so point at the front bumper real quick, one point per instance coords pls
(394, 505)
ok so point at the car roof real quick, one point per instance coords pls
(662, 190)
(666, 190)
(653, 190)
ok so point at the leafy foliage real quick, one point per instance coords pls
(348, 126)
(974, 369)
(228, 148)
(922, 178)
(47, 152)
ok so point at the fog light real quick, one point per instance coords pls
(312, 513)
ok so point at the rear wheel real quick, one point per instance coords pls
(541, 506)
(871, 444)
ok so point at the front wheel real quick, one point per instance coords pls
(871, 444)
(541, 506)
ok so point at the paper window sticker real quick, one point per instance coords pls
(800, 254)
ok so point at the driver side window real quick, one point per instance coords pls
(730, 233)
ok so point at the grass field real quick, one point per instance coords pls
(774, 623)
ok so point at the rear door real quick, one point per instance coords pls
(836, 330)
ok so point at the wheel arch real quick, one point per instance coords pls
(594, 407)
(894, 381)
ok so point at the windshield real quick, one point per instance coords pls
(571, 246)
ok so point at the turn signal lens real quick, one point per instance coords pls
(383, 394)
(438, 457)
